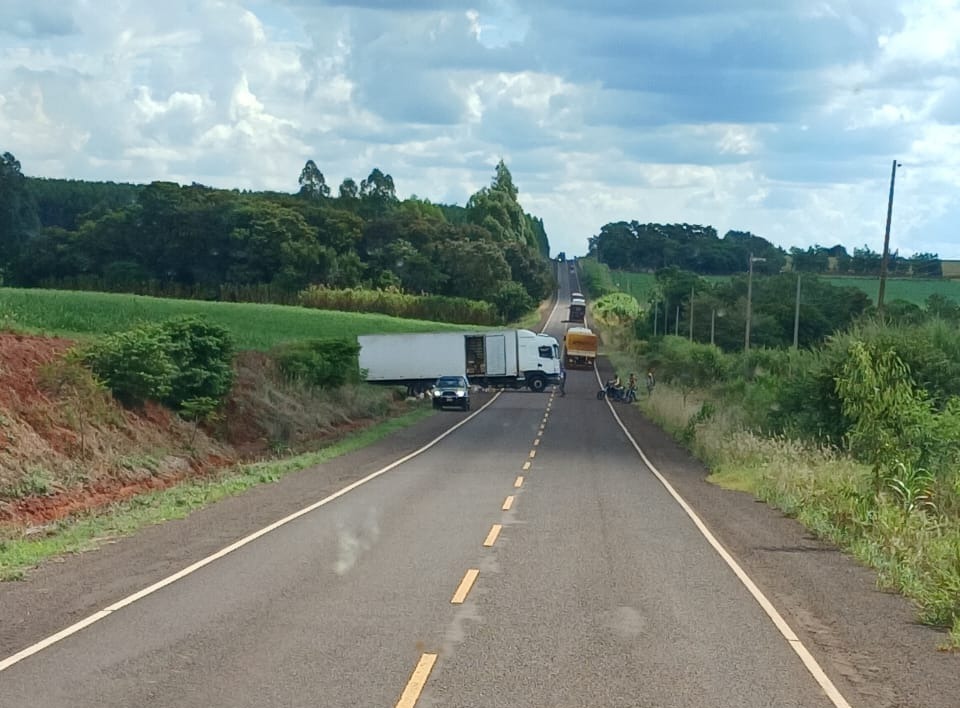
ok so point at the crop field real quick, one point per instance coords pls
(82, 315)
(909, 289)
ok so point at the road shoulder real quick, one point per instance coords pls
(867, 641)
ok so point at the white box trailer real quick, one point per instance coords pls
(513, 358)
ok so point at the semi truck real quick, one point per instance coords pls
(511, 358)
(580, 348)
(578, 309)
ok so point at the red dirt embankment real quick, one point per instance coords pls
(62, 451)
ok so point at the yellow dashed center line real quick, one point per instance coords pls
(492, 536)
(464, 588)
(417, 681)
(519, 482)
(507, 503)
(526, 465)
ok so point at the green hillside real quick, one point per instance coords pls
(80, 315)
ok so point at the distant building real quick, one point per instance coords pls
(951, 269)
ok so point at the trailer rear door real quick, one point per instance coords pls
(496, 347)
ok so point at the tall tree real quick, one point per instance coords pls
(377, 194)
(18, 216)
(313, 185)
(349, 189)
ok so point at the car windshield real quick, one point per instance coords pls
(448, 381)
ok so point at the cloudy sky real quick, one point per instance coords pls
(780, 117)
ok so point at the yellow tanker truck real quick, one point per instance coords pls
(579, 348)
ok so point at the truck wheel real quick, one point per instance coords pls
(537, 384)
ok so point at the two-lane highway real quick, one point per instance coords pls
(527, 559)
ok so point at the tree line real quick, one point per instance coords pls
(649, 247)
(125, 237)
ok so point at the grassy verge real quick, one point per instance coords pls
(89, 531)
(915, 552)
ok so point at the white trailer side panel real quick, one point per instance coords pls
(399, 357)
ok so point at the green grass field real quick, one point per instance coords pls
(82, 315)
(911, 290)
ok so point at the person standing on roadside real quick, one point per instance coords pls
(563, 380)
(651, 382)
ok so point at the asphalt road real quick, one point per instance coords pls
(598, 591)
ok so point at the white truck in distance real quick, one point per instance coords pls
(512, 358)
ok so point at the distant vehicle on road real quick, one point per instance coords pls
(578, 310)
(451, 391)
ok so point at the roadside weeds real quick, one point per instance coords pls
(914, 550)
(21, 549)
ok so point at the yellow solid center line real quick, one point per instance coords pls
(492, 536)
(507, 503)
(519, 482)
(526, 465)
(468, 580)
(417, 681)
(533, 453)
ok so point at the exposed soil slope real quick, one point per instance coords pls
(63, 450)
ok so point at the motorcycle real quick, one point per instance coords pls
(624, 395)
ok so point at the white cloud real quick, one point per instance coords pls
(781, 119)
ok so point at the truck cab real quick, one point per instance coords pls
(539, 358)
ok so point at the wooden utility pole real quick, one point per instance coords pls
(796, 317)
(746, 338)
(886, 241)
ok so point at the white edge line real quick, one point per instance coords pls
(798, 647)
(130, 599)
(552, 312)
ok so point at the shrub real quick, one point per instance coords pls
(512, 301)
(202, 353)
(135, 365)
(324, 363)
(175, 362)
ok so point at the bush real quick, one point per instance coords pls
(202, 354)
(323, 363)
(179, 362)
(135, 365)
(512, 301)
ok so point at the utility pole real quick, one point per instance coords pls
(656, 311)
(796, 317)
(746, 338)
(676, 323)
(886, 240)
(691, 314)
